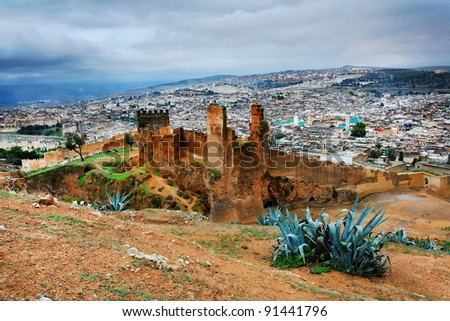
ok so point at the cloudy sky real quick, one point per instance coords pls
(140, 40)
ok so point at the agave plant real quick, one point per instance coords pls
(399, 236)
(270, 218)
(352, 249)
(292, 240)
(117, 202)
(426, 244)
(314, 229)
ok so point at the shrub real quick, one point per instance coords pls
(174, 206)
(319, 269)
(156, 201)
(290, 262)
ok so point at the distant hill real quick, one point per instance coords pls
(181, 83)
(410, 79)
(433, 68)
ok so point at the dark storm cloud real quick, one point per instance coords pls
(147, 39)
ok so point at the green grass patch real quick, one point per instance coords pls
(290, 262)
(83, 178)
(426, 171)
(215, 172)
(140, 262)
(62, 219)
(226, 245)
(156, 171)
(5, 195)
(178, 232)
(443, 245)
(145, 188)
(258, 233)
(319, 269)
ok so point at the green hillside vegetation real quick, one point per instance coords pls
(43, 130)
(16, 154)
(90, 180)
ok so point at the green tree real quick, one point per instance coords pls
(359, 130)
(375, 153)
(391, 153)
(129, 139)
(15, 154)
(74, 142)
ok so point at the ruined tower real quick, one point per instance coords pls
(154, 138)
(259, 128)
(217, 136)
(152, 119)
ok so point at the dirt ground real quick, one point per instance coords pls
(66, 253)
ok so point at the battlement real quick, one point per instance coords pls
(151, 112)
(152, 119)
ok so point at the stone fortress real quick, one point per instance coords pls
(240, 177)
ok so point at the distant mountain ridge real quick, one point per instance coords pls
(64, 93)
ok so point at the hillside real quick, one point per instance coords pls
(67, 253)
(91, 179)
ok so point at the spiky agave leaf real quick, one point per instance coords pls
(117, 202)
(270, 218)
(352, 249)
(292, 240)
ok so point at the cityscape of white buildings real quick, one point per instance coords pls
(305, 112)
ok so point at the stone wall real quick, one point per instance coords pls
(438, 169)
(61, 155)
(32, 164)
(152, 120)
(243, 177)
(193, 145)
(439, 185)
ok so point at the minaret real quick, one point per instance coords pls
(347, 121)
(295, 120)
(310, 119)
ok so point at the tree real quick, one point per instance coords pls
(391, 153)
(375, 153)
(129, 139)
(74, 142)
(359, 130)
(16, 154)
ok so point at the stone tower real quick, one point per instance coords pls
(217, 136)
(152, 120)
(258, 126)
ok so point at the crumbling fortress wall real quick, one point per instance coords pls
(152, 119)
(241, 177)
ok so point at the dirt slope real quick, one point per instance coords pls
(74, 254)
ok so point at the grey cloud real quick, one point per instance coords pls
(125, 39)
